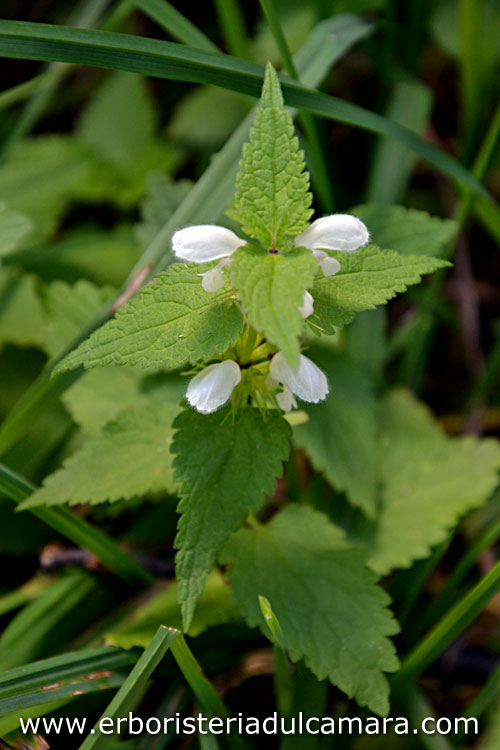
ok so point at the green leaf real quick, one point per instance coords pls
(224, 466)
(119, 127)
(368, 277)
(39, 178)
(428, 482)
(100, 395)
(214, 607)
(272, 198)
(14, 227)
(119, 119)
(129, 457)
(21, 312)
(68, 309)
(340, 436)
(330, 610)
(171, 322)
(271, 289)
(406, 230)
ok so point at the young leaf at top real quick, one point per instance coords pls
(330, 610)
(271, 289)
(224, 466)
(368, 277)
(171, 322)
(272, 197)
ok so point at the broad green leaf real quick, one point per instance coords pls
(206, 117)
(272, 198)
(406, 230)
(340, 436)
(21, 312)
(100, 395)
(68, 309)
(129, 457)
(224, 467)
(214, 607)
(119, 127)
(119, 119)
(14, 227)
(171, 322)
(40, 176)
(330, 610)
(368, 277)
(428, 482)
(271, 289)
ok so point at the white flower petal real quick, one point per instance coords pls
(307, 307)
(286, 400)
(335, 232)
(308, 382)
(328, 265)
(212, 387)
(212, 280)
(205, 242)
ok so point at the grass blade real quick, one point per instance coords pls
(205, 693)
(134, 685)
(175, 23)
(78, 531)
(446, 629)
(136, 54)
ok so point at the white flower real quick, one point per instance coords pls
(308, 382)
(203, 243)
(286, 400)
(213, 280)
(336, 232)
(307, 306)
(212, 387)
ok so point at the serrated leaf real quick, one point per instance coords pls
(428, 482)
(129, 457)
(171, 322)
(68, 309)
(224, 466)
(340, 437)
(14, 227)
(215, 606)
(406, 230)
(368, 277)
(330, 610)
(271, 289)
(272, 198)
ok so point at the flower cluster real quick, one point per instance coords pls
(212, 387)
